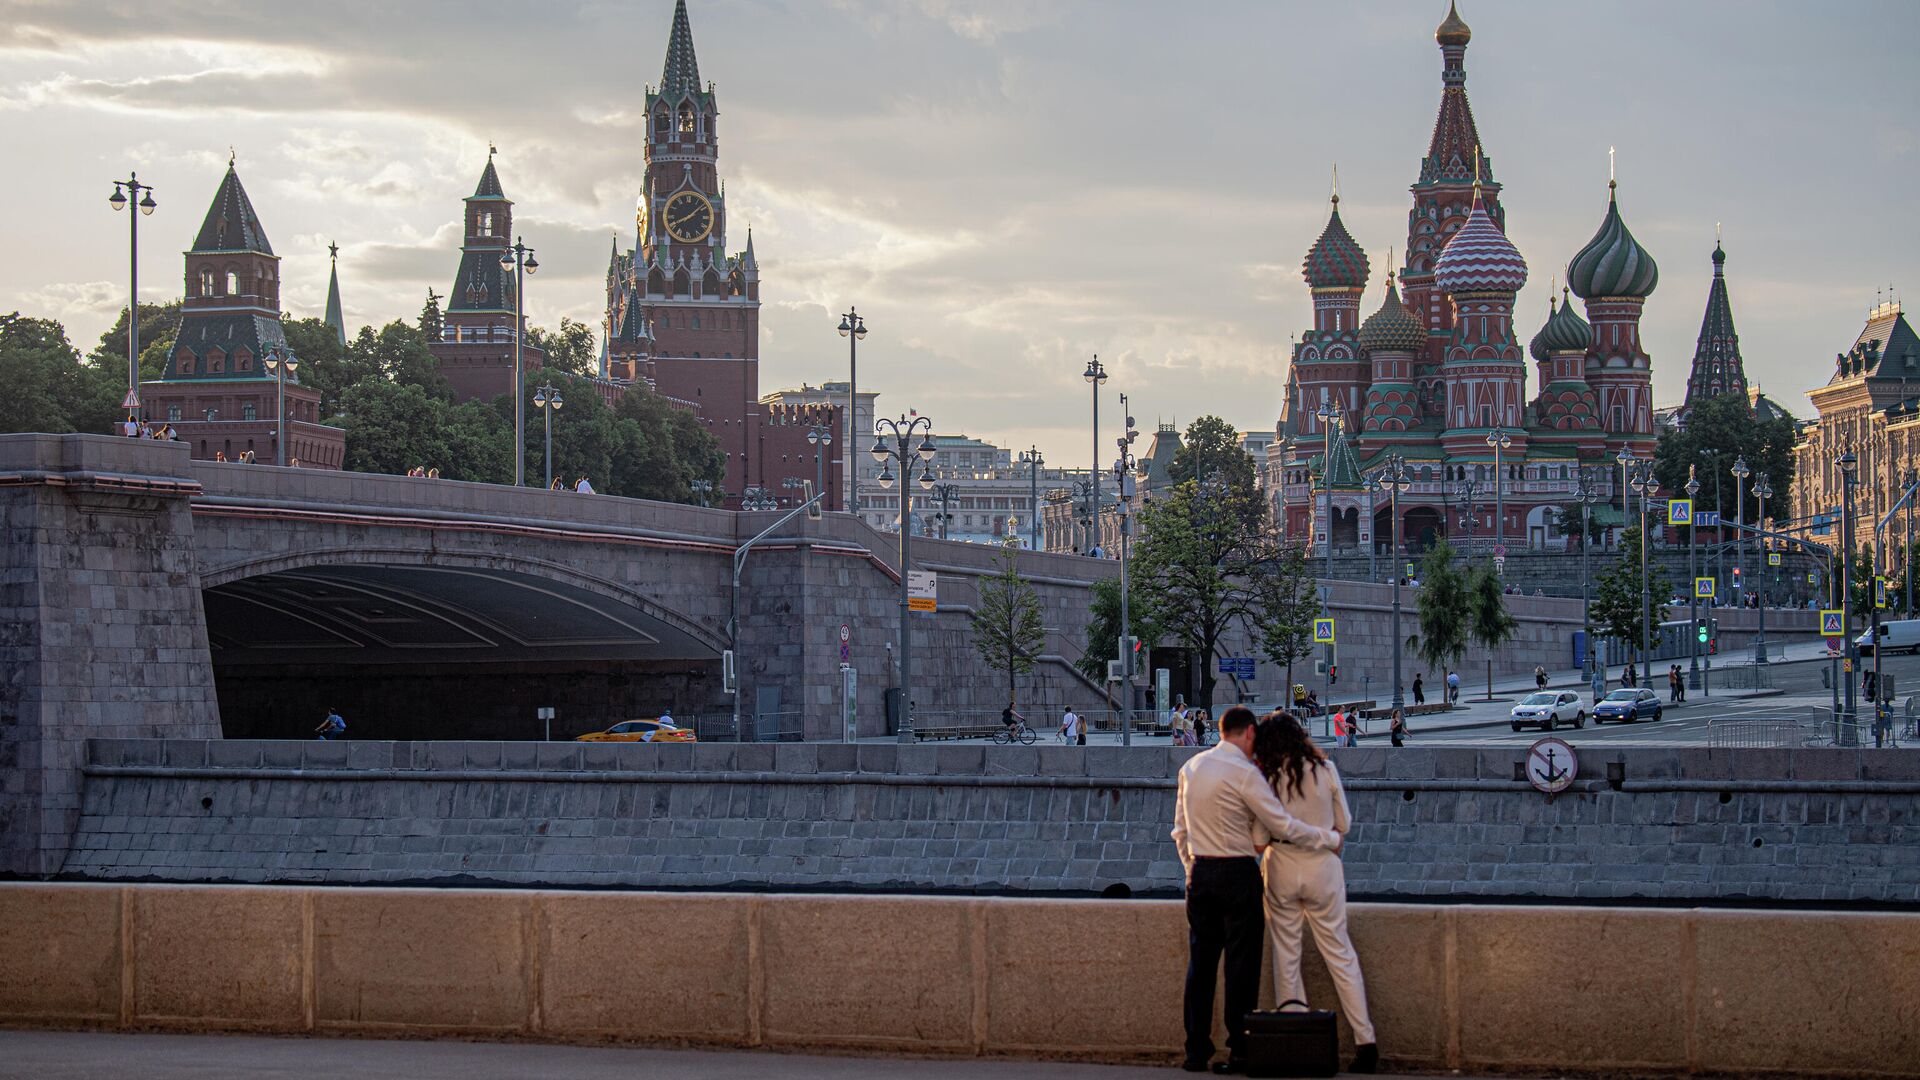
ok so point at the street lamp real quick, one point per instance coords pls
(1371, 485)
(1740, 471)
(1395, 480)
(1499, 440)
(547, 399)
(131, 189)
(1032, 460)
(1588, 491)
(280, 363)
(1847, 461)
(854, 329)
(1762, 490)
(1095, 375)
(820, 436)
(519, 261)
(1329, 414)
(945, 493)
(1124, 469)
(916, 466)
(1693, 587)
(758, 498)
(1642, 482)
(1082, 496)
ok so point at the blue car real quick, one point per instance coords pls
(1627, 705)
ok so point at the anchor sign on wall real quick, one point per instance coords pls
(1551, 766)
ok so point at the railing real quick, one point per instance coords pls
(1762, 733)
(1747, 676)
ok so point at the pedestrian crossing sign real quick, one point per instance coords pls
(1880, 592)
(1323, 631)
(1773, 558)
(1679, 511)
(1830, 622)
(1703, 588)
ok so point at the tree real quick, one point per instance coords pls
(431, 322)
(48, 387)
(159, 326)
(571, 350)
(1289, 602)
(392, 427)
(1444, 609)
(324, 363)
(1718, 431)
(1210, 451)
(1103, 628)
(399, 354)
(1616, 608)
(667, 450)
(1489, 622)
(1567, 519)
(1007, 630)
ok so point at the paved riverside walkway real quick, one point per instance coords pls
(85, 1055)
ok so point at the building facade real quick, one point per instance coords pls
(478, 330)
(1438, 372)
(1871, 407)
(221, 390)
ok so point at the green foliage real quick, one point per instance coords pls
(1103, 628)
(1489, 623)
(1289, 602)
(571, 350)
(398, 354)
(1444, 608)
(1007, 631)
(48, 387)
(1720, 430)
(431, 321)
(666, 451)
(1567, 519)
(324, 363)
(393, 427)
(159, 326)
(1210, 451)
(1616, 607)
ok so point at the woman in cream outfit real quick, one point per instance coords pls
(1309, 887)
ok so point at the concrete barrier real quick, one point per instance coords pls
(1454, 987)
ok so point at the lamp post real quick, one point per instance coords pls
(1329, 414)
(854, 329)
(1587, 492)
(702, 488)
(519, 261)
(1762, 490)
(1371, 485)
(819, 436)
(1083, 509)
(758, 498)
(1395, 480)
(945, 493)
(1095, 375)
(1123, 478)
(1740, 470)
(141, 195)
(1499, 440)
(1847, 461)
(1693, 590)
(1032, 460)
(547, 399)
(280, 363)
(911, 456)
(1644, 485)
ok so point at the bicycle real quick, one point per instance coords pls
(1020, 732)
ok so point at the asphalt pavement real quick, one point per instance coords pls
(79, 1055)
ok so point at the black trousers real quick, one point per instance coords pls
(1224, 914)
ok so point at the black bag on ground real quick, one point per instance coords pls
(1292, 1043)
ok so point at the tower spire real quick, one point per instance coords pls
(335, 318)
(1717, 365)
(682, 72)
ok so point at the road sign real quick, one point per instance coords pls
(1323, 631)
(1847, 665)
(849, 702)
(1880, 592)
(1703, 588)
(132, 400)
(1162, 687)
(1812, 578)
(922, 586)
(1709, 518)
(1240, 667)
(1773, 558)
(1499, 564)
(1679, 511)
(846, 637)
(1830, 622)
(1551, 766)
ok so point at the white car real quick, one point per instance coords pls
(1548, 709)
(1895, 636)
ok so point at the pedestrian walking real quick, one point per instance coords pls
(1198, 718)
(1539, 676)
(1221, 795)
(583, 486)
(332, 727)
(1419, 689)
(1307, 888)
(1676, 686)
(1070, 727)
(1398, 730)
(1177, 720)
(1453, 687)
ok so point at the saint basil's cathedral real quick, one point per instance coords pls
(1437, 373)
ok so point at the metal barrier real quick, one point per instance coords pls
(1760, 733)
(1748, 676)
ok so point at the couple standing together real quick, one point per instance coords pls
(1264, 790)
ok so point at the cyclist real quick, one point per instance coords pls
(1012, 719)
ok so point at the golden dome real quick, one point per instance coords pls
(1454, 31)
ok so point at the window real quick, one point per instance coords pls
(486, 221)
(206, 282)
(243, 361)
(660, 121)
(216, 362)
(233, 283)
(173, 412)
(186, 362)
(696, 320)
(686, 119)
(247, 412)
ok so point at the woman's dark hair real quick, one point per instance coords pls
(1281, 746)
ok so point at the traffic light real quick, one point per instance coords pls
(1333, 674)
(1701, 631)
(1736, 577)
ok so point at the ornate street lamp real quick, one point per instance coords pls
(908, 441)
(1846, 462)
(1395, 480)
(131, 189)
(518, 260)
(945, 493)
(854, 329)
(1032, 460)
(1095, 375)
(280, 363)
(1693, 589)
(547, 399)
(820, 436)
(1125, 468)
(1642, 482)
(1763, 490)
(1499, 440)
(1588, 492)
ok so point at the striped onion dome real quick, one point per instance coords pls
(1613, 263)
(1335, 261)
(1480, 258)
(1393, 328)
(1564, 331)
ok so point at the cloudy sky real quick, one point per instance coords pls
(1003, 186)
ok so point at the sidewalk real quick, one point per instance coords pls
(74, 1055)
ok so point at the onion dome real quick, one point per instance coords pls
(1565, 331)
(1480, 258)
(1613, 263)
(1393, 328)
(1454, 30)
(1335, 261)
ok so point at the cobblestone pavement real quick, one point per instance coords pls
(70, 1055)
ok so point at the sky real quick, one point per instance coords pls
(1003, 187)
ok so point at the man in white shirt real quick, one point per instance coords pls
(1070, 726)
(1221, 796)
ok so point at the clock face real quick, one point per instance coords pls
(689, 217)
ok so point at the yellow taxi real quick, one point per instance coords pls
(662, 730)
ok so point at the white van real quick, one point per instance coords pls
(1901, 635)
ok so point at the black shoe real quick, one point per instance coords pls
(1195, 1065)
(1366, 1058)
(1229, 1067)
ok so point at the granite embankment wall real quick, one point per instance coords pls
(1471, 987)
(1684, 824)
